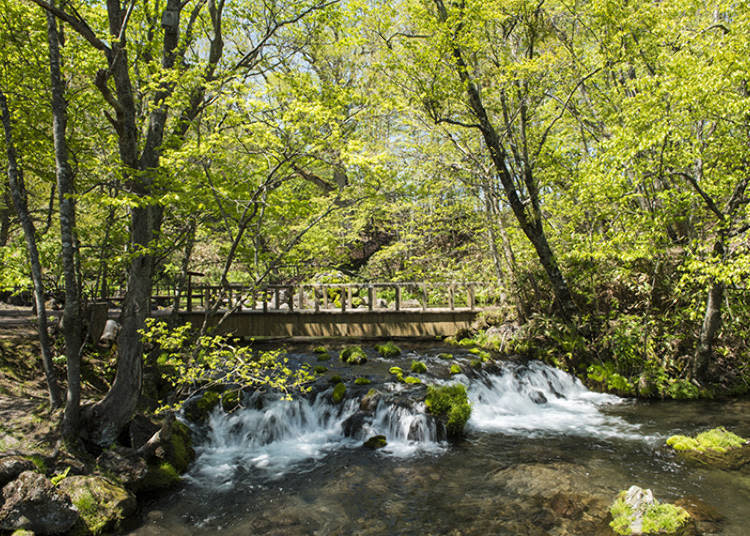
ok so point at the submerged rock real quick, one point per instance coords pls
(636, 512)
(33, 503)
(388, 349)
(101, 503)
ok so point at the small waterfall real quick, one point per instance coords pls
(532, 400)
(536, 399)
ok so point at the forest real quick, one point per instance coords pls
(588, 161)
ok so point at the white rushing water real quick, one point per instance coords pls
(536, 399)
(531, 400)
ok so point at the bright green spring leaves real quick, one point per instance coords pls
(218, 360)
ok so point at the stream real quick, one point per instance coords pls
(542, 456)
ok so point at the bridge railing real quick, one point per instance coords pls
(376, 296)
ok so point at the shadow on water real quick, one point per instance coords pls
(528, 465)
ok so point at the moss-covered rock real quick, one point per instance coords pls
(476, 363)
(362, 381)
(159, 476)
(353, 355)
(445, 356)
(635, 512)
(325, 356)
(455, 369)
(180, 451)
(369, 402)
(451, 404)
(335, 379)
(198, 409)
(320, 369)
(388, 349)
(412, 380)
(338, 393)
(396, 371)
(320, 350)
(101, 503)
(375, 442)
(418, 367)
(718, 448)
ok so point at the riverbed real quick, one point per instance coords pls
(542, 455)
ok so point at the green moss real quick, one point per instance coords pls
(657, 519)
(208, 401)
(451, 403)
(323, 357)
(320, 369)
(39, 463)
(353, 355)
(451, 340)
(717, 440)
(182, 452)
(161, 476)
(418, 367)
(445, 355)
(476, 363)
(455, 369)
(320, 350)
(467, 343)
(412, 380)
(362, 381)
(375, 442)
(388, 349)
(338, 393)
(336, 379)
(396, 370)
(101, 503)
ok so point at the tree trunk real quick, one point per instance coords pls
(72, 327)
(711, 323)
(18, 193)
(5, 219)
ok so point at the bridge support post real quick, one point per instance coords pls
(301, 302)
(451, 297)
(316, 296)
(370, 298)
(398, 297)
(471, 296)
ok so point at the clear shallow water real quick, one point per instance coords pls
(542, 456)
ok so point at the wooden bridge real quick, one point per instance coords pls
(361, 310)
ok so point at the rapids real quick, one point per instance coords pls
(536, 437)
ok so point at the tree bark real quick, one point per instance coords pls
(19, 195)
(72, 326)
(5, 219)
(712, 320)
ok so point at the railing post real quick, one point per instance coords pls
(471, 296)
(451, 297)
(424, 296)
(276, 304)
(253, 298)
(349, 297)
(398, 297)
(370, 297)
(265, 299)
(189, 304)
(290, 298)
(325, 297)
(343, 299)
(301, 302)
(316, 296)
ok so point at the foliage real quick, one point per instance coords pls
(217, 360)
(450, 402)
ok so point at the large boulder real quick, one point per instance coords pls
(33, 503)
(12, 466)
(101, 503)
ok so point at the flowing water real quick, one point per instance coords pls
(542, 455)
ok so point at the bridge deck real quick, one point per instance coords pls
(335, 323)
